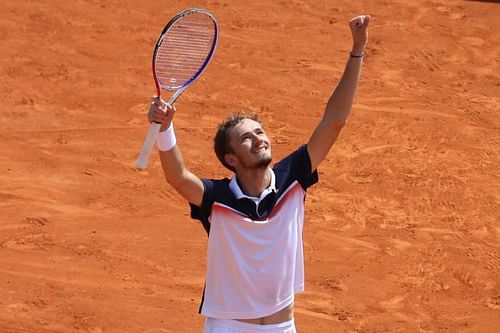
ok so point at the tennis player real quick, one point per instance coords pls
(254, 220)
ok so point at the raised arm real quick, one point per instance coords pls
(184, 181)
(340, 103)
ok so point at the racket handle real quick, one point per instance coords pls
(147, 146)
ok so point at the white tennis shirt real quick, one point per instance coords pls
(255, 261)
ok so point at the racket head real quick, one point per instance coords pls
(184, 49)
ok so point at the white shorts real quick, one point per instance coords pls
(213, 325)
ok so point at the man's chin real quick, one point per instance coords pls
(263, 163)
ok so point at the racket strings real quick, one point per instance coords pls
(184, 50)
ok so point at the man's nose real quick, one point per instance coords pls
(257, 138)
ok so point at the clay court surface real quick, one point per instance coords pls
(402, 232)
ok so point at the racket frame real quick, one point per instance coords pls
(179, 89)
(152, 135)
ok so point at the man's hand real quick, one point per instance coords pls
(161, 113)
(359, 29)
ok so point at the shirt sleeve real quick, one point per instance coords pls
(298, 165)
(202, 213)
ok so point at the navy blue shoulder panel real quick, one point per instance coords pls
(212, 190)
(296, 166)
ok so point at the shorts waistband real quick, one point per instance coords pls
(236, 324)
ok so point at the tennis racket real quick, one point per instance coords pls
(181, 54)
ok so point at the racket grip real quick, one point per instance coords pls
(147, 146)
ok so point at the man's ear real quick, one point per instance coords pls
(231, 159)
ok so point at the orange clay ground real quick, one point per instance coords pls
(402, 231)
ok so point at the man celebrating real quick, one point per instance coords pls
(254, 221)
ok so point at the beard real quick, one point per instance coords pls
(262, 163)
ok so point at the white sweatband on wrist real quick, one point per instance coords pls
(166, 139)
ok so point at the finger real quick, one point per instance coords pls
(162, 113)
(154, 113)
(158, 117)
(170, 108)
(366, 21)
(169, 115)
(153, 107)
(158, 112)
(355, 22)
(155, 100)
(159, 102)
(359, 22)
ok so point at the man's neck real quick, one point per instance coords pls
(254, 182)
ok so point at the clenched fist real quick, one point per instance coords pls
(359, 29)
(161, 113)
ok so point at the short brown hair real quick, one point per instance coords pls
(221, 140)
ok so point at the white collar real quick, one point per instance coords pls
(235, 188)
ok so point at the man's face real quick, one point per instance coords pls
(250, 145)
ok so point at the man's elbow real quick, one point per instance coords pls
(338, 123)
(336, 119)
(175, 182)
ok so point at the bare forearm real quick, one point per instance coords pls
(184, 181)
(340, 103)
(173, 166)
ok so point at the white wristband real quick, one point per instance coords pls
(166, 139)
